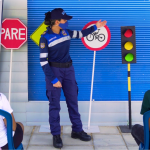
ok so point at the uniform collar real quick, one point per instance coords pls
(49, 30)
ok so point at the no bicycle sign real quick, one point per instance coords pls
(95, 41)
(99, 39)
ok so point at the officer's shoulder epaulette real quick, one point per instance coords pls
(43, 34)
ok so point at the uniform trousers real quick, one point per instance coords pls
(69, 86)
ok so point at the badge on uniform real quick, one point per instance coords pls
(42, 45)
(64, 32)
(63, 12)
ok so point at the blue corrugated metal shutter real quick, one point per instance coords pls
(110, 83)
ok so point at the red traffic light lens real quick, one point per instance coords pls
(128, 33)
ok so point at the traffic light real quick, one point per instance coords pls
(128, 44)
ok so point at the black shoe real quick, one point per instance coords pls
(81, 135)
(57, 142)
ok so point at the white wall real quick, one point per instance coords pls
(36, 113)
(15, 9)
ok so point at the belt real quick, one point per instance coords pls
(61, 65)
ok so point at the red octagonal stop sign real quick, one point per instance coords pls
(14, 33)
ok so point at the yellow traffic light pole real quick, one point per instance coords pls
(129, 95)
(128, 49)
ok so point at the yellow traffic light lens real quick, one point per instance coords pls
(128, 46)
(129, 57)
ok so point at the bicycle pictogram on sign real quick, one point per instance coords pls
(96, 35)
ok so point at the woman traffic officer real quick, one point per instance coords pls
(59, 71)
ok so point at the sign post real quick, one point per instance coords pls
(13, 36)
(91, 96)
(96, 41)
(10, 72)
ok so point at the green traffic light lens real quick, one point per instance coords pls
(129, 57)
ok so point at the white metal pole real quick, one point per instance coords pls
(10, 74)
(91, 96)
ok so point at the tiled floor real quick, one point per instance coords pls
(109, 138)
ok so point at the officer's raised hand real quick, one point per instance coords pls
(100, 24)
(57, 85)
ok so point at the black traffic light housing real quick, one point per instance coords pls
(128, 44)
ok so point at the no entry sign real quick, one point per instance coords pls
(14, 33)
(98, 40)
